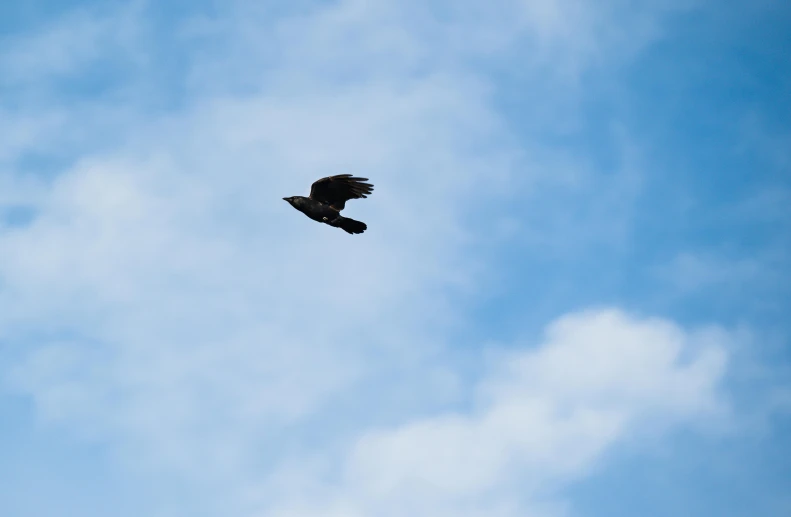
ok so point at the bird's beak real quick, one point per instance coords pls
(285, 199)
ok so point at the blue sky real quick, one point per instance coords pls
(572, 299)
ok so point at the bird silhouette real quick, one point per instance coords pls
(328, 196)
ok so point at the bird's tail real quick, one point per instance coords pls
(350, 225)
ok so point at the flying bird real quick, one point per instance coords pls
(328, 196)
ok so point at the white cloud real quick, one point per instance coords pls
(544, 415)
(175, 269)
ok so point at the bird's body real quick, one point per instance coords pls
(328, 197)
(316, 210)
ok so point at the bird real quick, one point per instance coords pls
(328, 196)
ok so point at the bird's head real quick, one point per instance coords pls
(290, 200)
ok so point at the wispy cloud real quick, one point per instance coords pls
(70, 46)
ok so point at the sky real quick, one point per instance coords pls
(572, 299)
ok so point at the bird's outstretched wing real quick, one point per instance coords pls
(337, 190)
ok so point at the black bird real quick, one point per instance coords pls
(328, 196)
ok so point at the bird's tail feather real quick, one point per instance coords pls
(351, 226)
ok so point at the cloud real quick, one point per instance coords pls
(544, 415)
(69, 45)
(176, 274)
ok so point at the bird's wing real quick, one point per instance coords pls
(337, 190)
